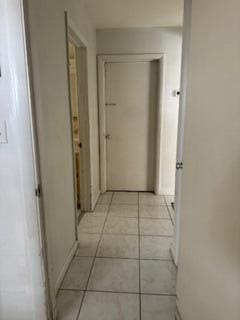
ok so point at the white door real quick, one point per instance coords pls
(131, 102)
(181, 118)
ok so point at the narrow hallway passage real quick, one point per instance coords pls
(122, 269)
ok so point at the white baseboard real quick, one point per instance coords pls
(172, 252)
(94, 201)
(165, 191)
(65, 266)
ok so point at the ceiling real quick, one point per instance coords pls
(135, 13)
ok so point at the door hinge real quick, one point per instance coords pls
(108, 136)
(179, 165)
(38, 191)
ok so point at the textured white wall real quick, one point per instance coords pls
(21, 279)
(154, 40)
(48, 44)
(208, 285)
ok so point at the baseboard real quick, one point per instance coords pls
(172, 252)
(65, 266)
(165, 191)
(94, 201)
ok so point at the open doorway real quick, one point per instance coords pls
(79, 116)
(74, 98)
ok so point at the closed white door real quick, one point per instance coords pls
(131, 101)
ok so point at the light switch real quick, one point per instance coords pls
(3, 131)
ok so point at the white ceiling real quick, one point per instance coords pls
(135, 13)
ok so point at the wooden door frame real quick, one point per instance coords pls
(102, 60)
(83, 111)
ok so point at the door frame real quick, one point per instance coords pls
(102, 60)
(83, 111)
(187, 15)
(49, 290)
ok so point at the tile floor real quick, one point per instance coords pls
(122, 269)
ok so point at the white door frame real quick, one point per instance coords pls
(49, 290)
(102, 60)
(83, 108)
(181, 118)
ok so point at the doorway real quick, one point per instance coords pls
(74, 99)
(130, 99)
(77, 68)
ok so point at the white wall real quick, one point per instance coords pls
(48, 45)
(21, 278)
(154, 40)
(208, 285)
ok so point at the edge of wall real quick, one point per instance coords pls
(177, 314)
(65, 266)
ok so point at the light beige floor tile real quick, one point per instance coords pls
(125, 198)
(110, 306)
(157, 212)
(100, 211)
(158, 307)
(155, 247)
(118, 275)
(169, 199)
(105, 198)
(148, 198)
(157, 277)
(68, 304)
(156, 227)
(87, 244)
(118, 246)
(90, 224)
(77, 274)
(124, 210)
(121, 226)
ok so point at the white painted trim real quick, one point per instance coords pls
(36, 164)
(177, 314)
(65, 266)
(181, 118)
(102, 59)
(94, 203)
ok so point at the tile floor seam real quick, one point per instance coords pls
(130, 292)
(170, 215)
(94, 258)
(123, 292)
(133, 234)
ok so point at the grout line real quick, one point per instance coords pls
(123, 258)
(94, 257)
(151, 218)
(139, 261)
(136, 293)
(170, 215)
(154, 218)
(123, 292)
(133, 234)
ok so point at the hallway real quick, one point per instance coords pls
(122, 269)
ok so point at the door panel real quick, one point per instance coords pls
(131, 100)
